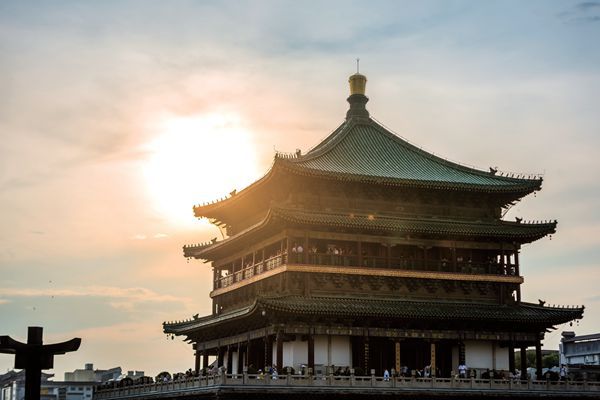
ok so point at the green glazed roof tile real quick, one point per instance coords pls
(367, 151)
(361, 307)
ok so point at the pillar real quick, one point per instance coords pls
(304, 255)
(290, 258)
(511, 357)
(366, 355)
(397, 364)
(311, 351)
(240, 362)
(205, 359)
(453, 258)
(388, 255)
(538, 358)
(268, 351)
(197, 359)
(221, 357)
(279, 340)
(359, 253)
(229, 360)
(432, 363)
(462, 354)
(523, 362)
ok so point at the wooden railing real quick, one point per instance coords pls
(367, 262)
(188, 386)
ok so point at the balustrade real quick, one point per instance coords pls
(187, 386)
(350, 260)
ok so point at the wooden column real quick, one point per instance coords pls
(279, 340)
(359, 253)
(538, 358)
(221, 357)
(229, 360)
(205, 359)
(523, 362)
(397, 364)
(197, 359)
(268, 351)
(502, 259)
(462, 355)
(366, 355)
(432, 360)
(311, 351)
(249, 355)
(304, 255)
(517, 273)
(454, 259)
(389, 255)
(511, 357)
(240, 363)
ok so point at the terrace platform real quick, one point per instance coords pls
(244, 386)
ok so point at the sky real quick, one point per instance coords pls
(117, 117)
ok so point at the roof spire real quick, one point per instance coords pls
(357, 99)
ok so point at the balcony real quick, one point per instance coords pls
(366, 263)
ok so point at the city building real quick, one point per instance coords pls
(578, 351)
(12, 387)
(88, 374)
(368, 254)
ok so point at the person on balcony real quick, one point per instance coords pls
(462, 371)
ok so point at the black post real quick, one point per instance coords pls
(34, 356)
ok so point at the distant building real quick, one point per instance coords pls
(100, 375)
(78, 385)
(581, 350)
(12, 387)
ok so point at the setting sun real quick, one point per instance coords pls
(198, 158)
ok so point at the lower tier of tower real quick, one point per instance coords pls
(326, 350)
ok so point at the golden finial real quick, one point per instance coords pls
(358, 82)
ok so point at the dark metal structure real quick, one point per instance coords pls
(34, 356)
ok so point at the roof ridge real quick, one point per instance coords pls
(276, 209)
(328, 144)
(469, 168)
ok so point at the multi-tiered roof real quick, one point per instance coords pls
(362, 151)
(365, 159)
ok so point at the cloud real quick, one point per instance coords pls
(138, 237)
(132, 294)
(588, 5)
(4, 301)
(585, 12)
(160, 235)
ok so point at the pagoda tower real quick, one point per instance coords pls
(368, 253)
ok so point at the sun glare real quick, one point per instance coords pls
(197, 159)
